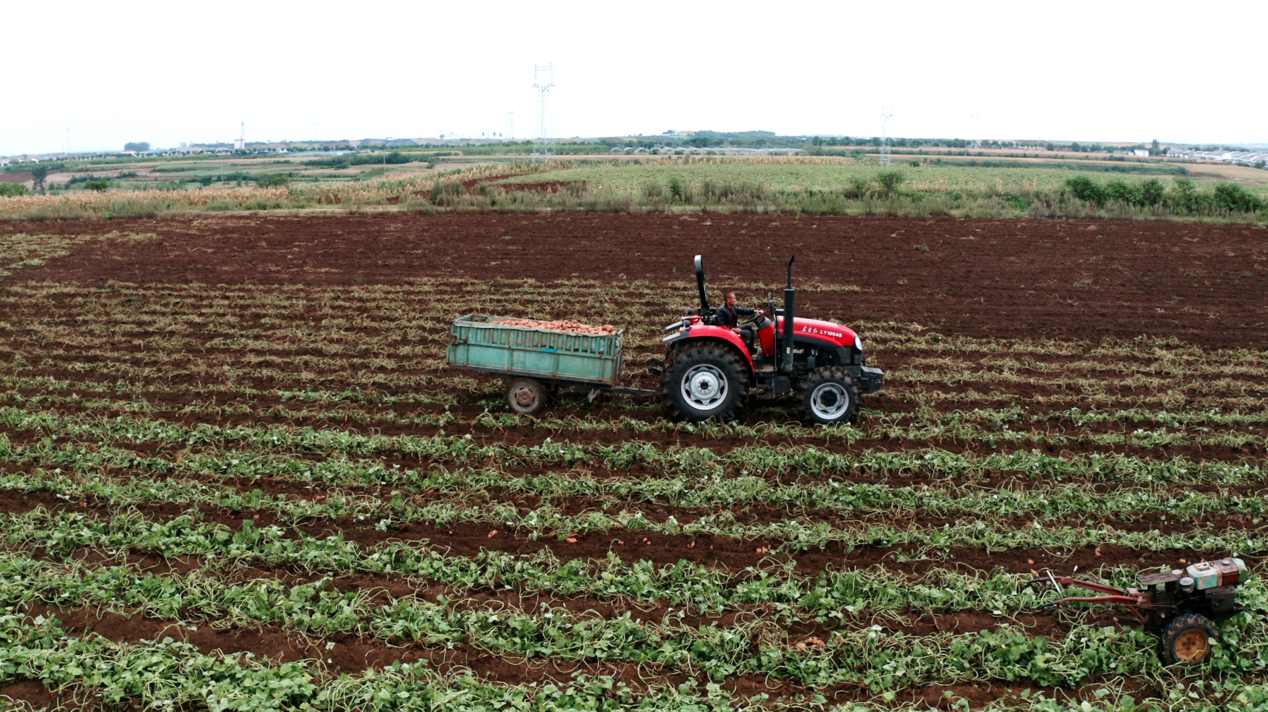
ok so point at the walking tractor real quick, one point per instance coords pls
(709, 370)
(1181, 605)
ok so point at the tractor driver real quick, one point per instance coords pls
(729, 317)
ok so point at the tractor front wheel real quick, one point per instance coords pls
(704, 381)
(1187, 640)
(828, 395)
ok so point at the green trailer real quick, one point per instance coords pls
(537, 362)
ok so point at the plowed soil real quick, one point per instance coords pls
(1031, 278)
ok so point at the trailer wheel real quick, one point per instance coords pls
(704, 381)
(526, 395)
(828, 395)
(1187, 640)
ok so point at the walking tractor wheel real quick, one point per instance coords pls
(828, 395)
(526, 395)
(1187, 640)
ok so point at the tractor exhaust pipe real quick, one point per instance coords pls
(790, 306)
(704, 298)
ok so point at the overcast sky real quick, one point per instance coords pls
(166, 72)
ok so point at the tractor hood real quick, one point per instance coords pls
(824, 331)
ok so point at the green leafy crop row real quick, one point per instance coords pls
(696, 461)
(870, 655)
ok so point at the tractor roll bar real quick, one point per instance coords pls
(790, 306)
(704, 297)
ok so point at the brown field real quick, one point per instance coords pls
(157, 351)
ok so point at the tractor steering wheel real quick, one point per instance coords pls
(752, 318)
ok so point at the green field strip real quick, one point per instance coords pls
(1057, 409)
(894, 659)
(792, 534)
(693, 461)
(174, 675)
(818, 173)
(465, 506)
(1045, 502)
(248, 355)
(986, 427)
(831, 595)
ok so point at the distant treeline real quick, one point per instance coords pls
(365, 159)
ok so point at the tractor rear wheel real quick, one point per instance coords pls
(828, 395)
(1187, 640)
(526, 395)
(704, 381)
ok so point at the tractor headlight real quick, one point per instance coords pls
(858, 342)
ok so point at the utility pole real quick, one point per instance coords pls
(543, 82)
(886, 113)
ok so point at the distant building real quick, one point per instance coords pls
(1245, 158)
(1141, 151)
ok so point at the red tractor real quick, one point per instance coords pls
(709, 370)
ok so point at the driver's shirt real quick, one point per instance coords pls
(730, 316)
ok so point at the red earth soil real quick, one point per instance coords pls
(1024, 279)
(1004, 278)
